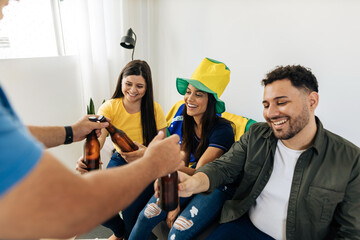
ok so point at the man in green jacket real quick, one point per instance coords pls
(295, 179)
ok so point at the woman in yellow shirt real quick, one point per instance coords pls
(132, 109)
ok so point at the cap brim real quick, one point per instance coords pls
(182, 84)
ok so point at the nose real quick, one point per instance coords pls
(190, 97)
(133, 89)
(271, 112)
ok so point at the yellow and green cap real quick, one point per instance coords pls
(210, 76)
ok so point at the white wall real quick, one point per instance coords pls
(46, 91)
(252, 37)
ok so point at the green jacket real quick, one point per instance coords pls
(324, 199)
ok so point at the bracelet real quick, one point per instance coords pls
(69, 135)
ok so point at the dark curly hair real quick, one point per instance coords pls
(299, 76)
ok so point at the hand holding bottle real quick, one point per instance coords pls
(83, 127)
(132, 156)
(81, 166)
(119, 137)
(92, 150)
(158, 152)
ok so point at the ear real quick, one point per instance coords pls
(313, 99)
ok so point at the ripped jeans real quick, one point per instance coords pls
(200, 210)
(120, 227)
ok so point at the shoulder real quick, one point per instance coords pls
(158, 109)
(156, 104)
(258, 133)
(111, 102)
(222, 127)
(114, 101)
(114, 104)
(15, 143)
(222, 123)
(337, 142)
(159, 116)
(329, 142)
(260, 128)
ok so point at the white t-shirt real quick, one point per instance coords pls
(269, 212)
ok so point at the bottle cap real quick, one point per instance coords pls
(101, 118)
(93, 119)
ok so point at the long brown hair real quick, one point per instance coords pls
(209, 119)
(148, 123)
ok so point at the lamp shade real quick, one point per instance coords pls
(128, 41)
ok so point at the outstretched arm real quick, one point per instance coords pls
(189, 185)
(52, 136)
(210, 154)
(53, 202)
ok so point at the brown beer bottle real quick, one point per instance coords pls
(92, 150)
(169, 197)
(119, 137)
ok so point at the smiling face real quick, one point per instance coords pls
(286, 108)
(196, 102)
(134, 88)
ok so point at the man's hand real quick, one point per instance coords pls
(189, 185)
(164, 154)
(84, 126)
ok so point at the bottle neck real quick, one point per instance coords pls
(111, 128)
(91, 135)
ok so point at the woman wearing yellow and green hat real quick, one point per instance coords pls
(205, 137)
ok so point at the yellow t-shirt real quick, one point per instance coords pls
(129, 123)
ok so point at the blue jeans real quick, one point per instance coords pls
(241, 228)
(120, 227)
(200, 210)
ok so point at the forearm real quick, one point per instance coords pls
(52, 202)
(202, 182)
(187, 170)
(190, 185)
(50, 136)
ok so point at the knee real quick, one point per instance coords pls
(181, 227)
(151, 210)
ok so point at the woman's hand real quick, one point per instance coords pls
(172, 215)
(132, 156)
(81, 166)
(156, 189)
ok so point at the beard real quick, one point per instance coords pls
(296, 124)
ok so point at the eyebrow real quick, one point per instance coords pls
(197, 90)
(276, 98)
(127, 81)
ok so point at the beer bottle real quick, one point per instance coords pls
(169, 197)
(119, 137)
(92, 149)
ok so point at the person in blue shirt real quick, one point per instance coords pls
(39, 196)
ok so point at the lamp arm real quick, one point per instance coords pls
(132, 56)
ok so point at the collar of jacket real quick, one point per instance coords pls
(318, 141)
